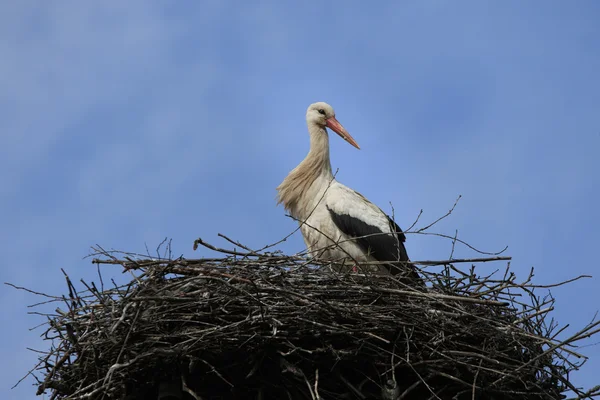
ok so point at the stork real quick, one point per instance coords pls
(338, 223)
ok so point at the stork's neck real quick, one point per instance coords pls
(317, 161)
(298, 189)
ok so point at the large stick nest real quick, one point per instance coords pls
(270, 326)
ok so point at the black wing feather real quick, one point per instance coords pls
(380, 246)
(401, 239)
(370, 238)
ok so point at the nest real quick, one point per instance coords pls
(260, 325)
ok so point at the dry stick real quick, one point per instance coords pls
(535, 314)
(409, 389)
(191, 261)
(60, 362)
(225, 251)
(461, 242)
(90, 394)
(461, 260)
(312, 394)
(393, 218)
(33, 291)
(216, 372)
(416, 220)
(439, 296)
(350, 386)
(481, 358)
(250, 251)
(557, 284)
(588, 334)
(571, 339)
(187, 389)
(442, 217)
(393, 390)
(542, 339)
(433, 394)
(116, 365)
(589, 394)
(317, 383)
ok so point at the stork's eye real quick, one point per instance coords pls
(321, 111)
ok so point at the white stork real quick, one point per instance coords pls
(338, 223)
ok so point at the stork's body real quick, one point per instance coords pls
(338, 223)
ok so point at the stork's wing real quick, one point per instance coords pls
(381, 245)
(403, 256)
(373, 230)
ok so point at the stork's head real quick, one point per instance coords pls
(322, 114)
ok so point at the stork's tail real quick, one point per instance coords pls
(407, 274)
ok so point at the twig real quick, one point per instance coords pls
(442, 217)
(187, 389)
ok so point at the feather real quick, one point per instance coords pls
(378, 236)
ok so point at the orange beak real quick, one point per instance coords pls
(335, 126)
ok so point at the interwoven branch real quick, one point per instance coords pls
(253, 324)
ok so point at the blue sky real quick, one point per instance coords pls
(126, 122)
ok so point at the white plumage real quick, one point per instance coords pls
(338, 223)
